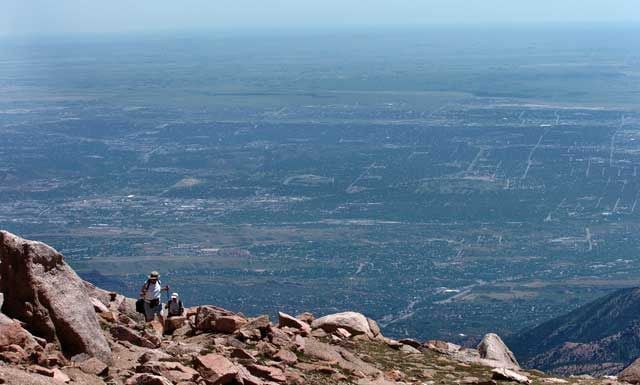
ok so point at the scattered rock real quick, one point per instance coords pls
(409, 349)
(173, 323)
(392, 343)
(242, 354)
(268, 372)
(442, 346)
(98, 306)
(217, 320)
(16, 343)
(342, 333)
(49, 297)
(428, 373)
(552, 380)
(229, 324)
(172, 371)
(394, 375)
(14, 376)
(94, 366)
(123, 333)
(246, 378)
(411, 342)
(292, 322)
(154, 355)
(286, 356)
(345, 359)
(215, 369)
(306, 317)
(280, 338)
(376, 381)
(147, 379)
(503, 374)
(60, 377)
(375, 329)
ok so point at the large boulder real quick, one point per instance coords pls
(354, 323)
(42, 291)
(216, 369)
(631, 373)
(217, 320)
(492, 348)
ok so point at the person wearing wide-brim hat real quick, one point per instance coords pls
(151, 293)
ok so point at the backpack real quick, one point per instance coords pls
(140, 306)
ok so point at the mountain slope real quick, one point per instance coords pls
(600, 337)
(208, 345)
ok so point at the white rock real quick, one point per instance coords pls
(354, 323)
(492, 348)
(409, 349)
(509, 375)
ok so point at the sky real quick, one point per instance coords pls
(44, 17)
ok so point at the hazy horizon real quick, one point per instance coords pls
(74, 17)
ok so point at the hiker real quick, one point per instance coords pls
(151, 292)
(174, 306)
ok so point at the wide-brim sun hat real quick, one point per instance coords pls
(154, 274)
(174, 295)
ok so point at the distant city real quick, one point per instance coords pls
(446, 187)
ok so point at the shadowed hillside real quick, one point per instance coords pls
(600, 337)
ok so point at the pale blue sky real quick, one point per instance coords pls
(79, 16)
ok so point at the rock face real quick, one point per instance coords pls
(492, 348)
(354, 323)
(42, 291)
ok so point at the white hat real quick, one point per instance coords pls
(174, 295)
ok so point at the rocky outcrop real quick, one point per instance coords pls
(215, 346)
(354, 323)
(42, 291)
(491, 352)
(493, 349)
